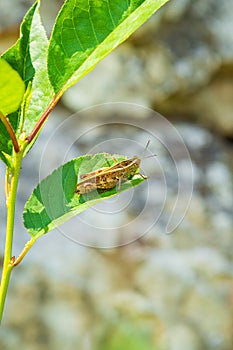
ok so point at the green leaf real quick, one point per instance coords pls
(54, 200)
(29, 57)
(42, 90)
(88, 30)
(10, 99)
(11, 88)
(5, 159)
(18, 56)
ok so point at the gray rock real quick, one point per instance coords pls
(174, 288)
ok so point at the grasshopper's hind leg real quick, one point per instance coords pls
(143, 176)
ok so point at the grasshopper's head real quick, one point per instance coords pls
(136, 160)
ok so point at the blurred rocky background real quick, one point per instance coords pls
(161, 292)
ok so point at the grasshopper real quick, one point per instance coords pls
(108, 177)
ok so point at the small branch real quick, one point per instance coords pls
(7, 184)
(11, 132)
(43, 118)
(27, 247)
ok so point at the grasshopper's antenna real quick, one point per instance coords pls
(150, 156)
(147, 145)
(145, 149)
(142, 154)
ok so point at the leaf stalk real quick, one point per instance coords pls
(27, 247)
(11, 132)
(43, 118)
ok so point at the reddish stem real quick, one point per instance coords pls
(11, 132)
(43, 118)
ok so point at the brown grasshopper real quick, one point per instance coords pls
(109, 177)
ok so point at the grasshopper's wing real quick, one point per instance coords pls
(92, 173)
(120, 165)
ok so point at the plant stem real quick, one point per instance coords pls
(7, 183)
(11, 132)
(8, 262)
